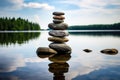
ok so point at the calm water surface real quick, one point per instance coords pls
(19, 61)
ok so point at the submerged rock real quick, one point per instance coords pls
(109, 51)
(61, 26)
(60, 47)
(87, 50)
(45, 51)
(58, 40)
(58, 33)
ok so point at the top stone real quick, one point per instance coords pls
(58, 13)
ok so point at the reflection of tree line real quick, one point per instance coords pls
(20, 38)
(96, 33)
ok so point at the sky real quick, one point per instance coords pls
(77, 12)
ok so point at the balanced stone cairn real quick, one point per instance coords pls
(59, 34)
(58, 52)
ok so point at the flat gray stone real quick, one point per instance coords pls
(60, 47)
(58, 13)
(58, 39)
(58, 33)
(56, 21)
(61, 26)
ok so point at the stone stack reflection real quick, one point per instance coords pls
(59, 34)
(59, 65)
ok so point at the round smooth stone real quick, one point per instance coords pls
(56, 21)
(61, 26)
(58, 13)
(58, 33)
(60, 47)
(58, 17)
(58, 39)
(110, 51)
(45, 51)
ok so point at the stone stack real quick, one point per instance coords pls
(59, 34)
(58, 37)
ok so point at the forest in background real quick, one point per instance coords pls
(17, 24)
(115, 26)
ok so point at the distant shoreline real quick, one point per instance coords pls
(18, 31)
(115, 26)
(66, 30)
(94, 30)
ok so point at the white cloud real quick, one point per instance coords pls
(11, 62)
(93, 12)
(38, 5)
(11, 4)
(91, 3)
(19, 4)
(17, 1)
(86, 12)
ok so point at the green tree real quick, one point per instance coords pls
(17, 24)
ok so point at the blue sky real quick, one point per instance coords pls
(77, 12)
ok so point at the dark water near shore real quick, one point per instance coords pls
(19, 61)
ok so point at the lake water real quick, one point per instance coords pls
(19, 61)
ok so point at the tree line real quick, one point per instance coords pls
(17, 24)
(115, 26)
